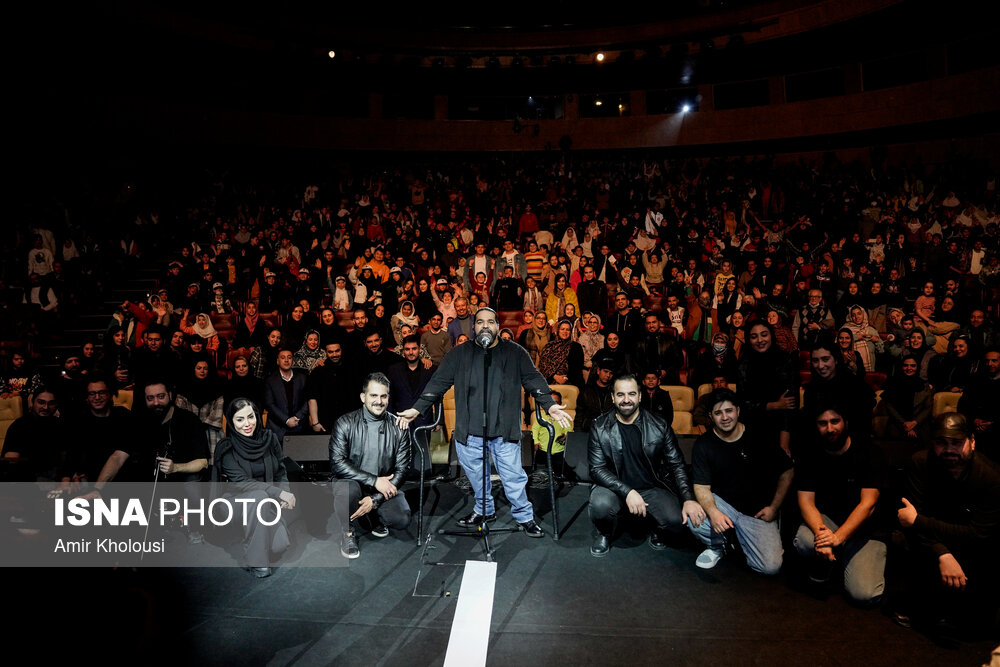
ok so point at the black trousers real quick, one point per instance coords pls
(914, 585)
(393, 513)
(259, 540)
(661, 504)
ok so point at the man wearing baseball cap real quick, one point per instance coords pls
(950, 517)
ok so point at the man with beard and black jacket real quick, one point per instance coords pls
(170, 445)
(657, 350)
(950, 517)
(636, 464)
(369, 457)
(153, 360)
(330, 388)
(625, 321)
(592, 293)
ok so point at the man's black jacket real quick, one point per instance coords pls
(348, 443)
(604, 450)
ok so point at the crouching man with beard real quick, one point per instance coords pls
(950, 518)
(634, 457)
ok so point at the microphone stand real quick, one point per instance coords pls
(415, 443)
(484, 529)
(552, 478)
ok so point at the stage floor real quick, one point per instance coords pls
(554, 605)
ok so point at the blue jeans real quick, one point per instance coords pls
(863, 560)
(760, 540)
(507, 459)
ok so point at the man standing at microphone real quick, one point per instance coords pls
(510, 368)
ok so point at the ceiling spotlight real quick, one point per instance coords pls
(599, 57)
(331, 54)
(598, 102)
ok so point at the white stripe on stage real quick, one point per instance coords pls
(470, 630)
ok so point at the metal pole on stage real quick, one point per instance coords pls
(552, 481)
(414, 442)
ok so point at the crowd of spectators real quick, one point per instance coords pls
(700, 272)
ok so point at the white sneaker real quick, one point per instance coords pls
(708, 559)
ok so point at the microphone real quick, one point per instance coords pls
(485, 338)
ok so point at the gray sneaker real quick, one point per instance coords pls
(708, 559)
(349, 546)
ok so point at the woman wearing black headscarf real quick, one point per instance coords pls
(242, 383)
(769, 383)
(200, 392)
(250, 460)
(561, 360)
(907, 403)
(264, 358)
(116, 357)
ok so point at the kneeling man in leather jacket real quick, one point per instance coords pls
(371, 454)
(634, 457)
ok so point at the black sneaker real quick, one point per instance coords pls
(474, 519)
(600, 547)
(379, 530)
(656, 542)
(349, 546)
(532, 529)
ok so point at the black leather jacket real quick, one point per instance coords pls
(604, 451)
(347, 445)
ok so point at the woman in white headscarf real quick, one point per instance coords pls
(407, 315)
(867, 342)
(202, 328)
(569, 240)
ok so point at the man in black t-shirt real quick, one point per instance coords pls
(839, 480)
(330, 389)
(740, 480)
(170, 445)
(636, 464)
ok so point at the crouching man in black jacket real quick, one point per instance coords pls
(633, 456)
(372, 453)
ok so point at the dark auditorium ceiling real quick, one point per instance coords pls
(199, 52)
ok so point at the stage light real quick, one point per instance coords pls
(598, 102)
(331, 54)
(685, 108)
(599, 57)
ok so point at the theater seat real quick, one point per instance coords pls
(10, 409)
(569, 393)
(683, 425)
(946, 401)
(124, 398)
(681, 397)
